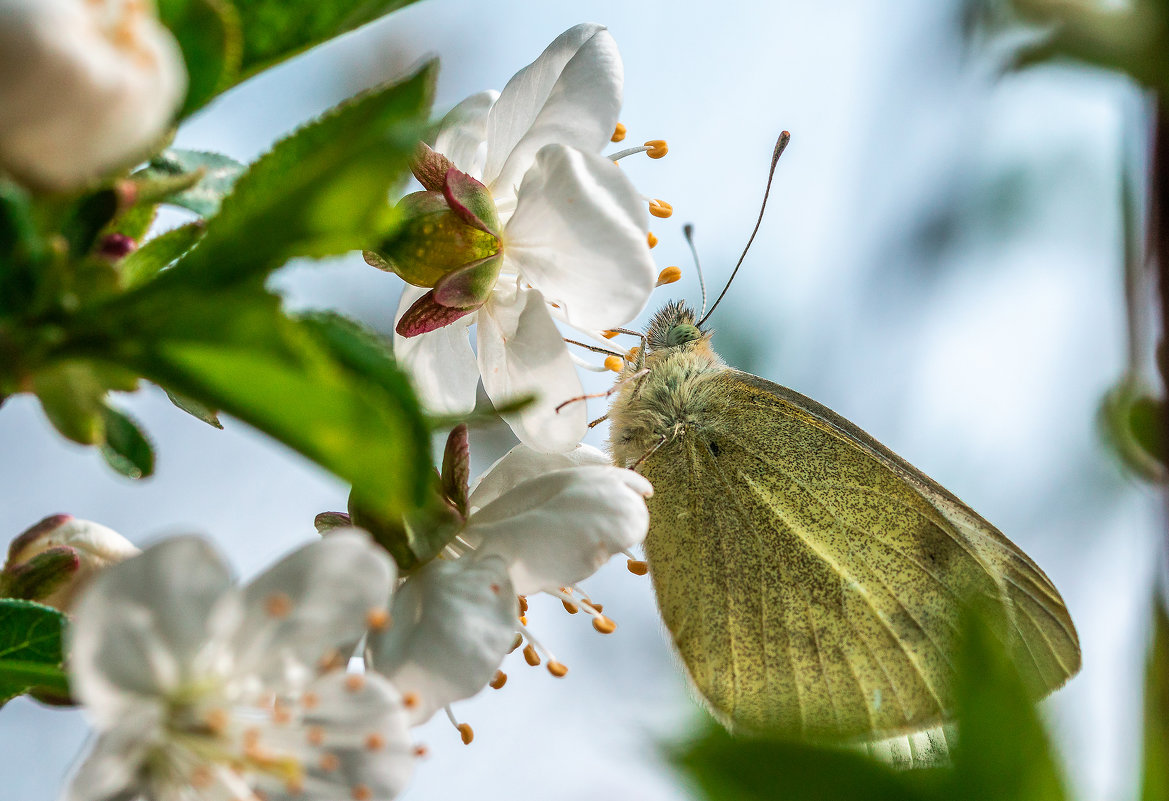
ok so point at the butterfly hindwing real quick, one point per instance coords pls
(813, 581)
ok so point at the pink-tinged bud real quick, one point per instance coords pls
(448, 239)
(53, 560)
(328, 521)
(116, 247)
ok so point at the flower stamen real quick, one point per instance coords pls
(614, 363)
(498, 680)
(669, 275)
(466, 733)
(660, 208)
(618, 133)
(652, 240)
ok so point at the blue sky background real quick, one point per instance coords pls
(941, 264)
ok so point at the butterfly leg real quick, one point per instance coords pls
(598, 421)
(616, 385)
(649, 453)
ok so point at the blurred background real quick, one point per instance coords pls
(942, 263)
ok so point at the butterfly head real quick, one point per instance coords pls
(675, 325)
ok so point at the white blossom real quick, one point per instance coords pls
(86, 87)
(204, 690)
(574, 239)
(537, 522)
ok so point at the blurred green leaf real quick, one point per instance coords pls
(1132, 422)
(320, 192)
(1003, 752)
(20, 249)
(236, 351)
(1155, 770)
(73, 398)
(30, 649)
(88, 218)
(728, 768)
(195, 409)
(412, 539)
(126, 448)
(219, 174)
(149, 260)
(277, 29)
(208, 33)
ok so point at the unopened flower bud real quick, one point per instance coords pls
(86, 87)
(51, 561)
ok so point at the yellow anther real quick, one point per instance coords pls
(571, 609)
(657, 148)
(251, 737)
(669, 275)
(466, 732)
(410, 700)
(660, 208)
(598, 607)
(557, 669)
(316, 735)
(310, 700)
(421, 751)
(294, 785)
(530, 655)
(330, 762)
(604, 625)
(653, 240)
(201, 777)
(281, 714)
(354, 682)
(523, 605)
(498, 680)
(614, 363)
(523, 620)
(378, 619)
(217, 720)
(331, 660)
(374, 742)
(637, 567)
(361, 792)
(278, 605)
(611, 334)
(516, 643)
(618, 133)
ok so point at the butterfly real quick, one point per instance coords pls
(812, 580)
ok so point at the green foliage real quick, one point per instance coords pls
(209, 34)
(1002, 751)
(145, 263)
(1130, 420)
(320, 192)
(195, 409)
(217, 174)
(30, 649)
(1155, 768)
(415, 538)
(277, 29)
(126, 448)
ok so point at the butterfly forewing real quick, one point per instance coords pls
(812, 580)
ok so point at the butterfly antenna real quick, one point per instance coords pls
(688, 232)
(780, 144)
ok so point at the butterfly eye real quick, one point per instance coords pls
(681, 334)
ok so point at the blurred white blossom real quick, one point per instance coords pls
(574, 239)
(537, 523)
(53, 560)
(86, 87)
(205, 690)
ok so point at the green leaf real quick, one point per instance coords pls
(728, 768)
(1155, 770)
(73, 398)
(277, 29)
(320, 192)
(126, 448)
(158, 253)
(238, 352)
(415, 538)
(219, 173)
(21, 248)
(30, 649)
(1003, 752)
(195, 409)
(85, 223)
(208, 33)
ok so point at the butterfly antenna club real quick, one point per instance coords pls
(780, 144)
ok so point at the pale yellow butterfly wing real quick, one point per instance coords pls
(814, 581)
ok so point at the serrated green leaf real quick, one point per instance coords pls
(320, 192)
(728, 768)
(219, 174)
(30, 649)
(153, 257)
(277, 29)
(1155, 768)
(208, 33)
(126, 448)
(238, 352)
(195, 409)
(1003, 751)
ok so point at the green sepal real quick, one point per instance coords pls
(456, 468)
(413, 539)
(209, 35)
(125, 448)
(82, 227)
(433, 241)
(195, 409)
(21, 249)
(31, 656)
(40, 576)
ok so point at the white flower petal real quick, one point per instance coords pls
(440, 363)
(315, 600)
(112, 768)
(85, 87)
(463, 132)
(521, 464)
(579, 236)
(521, 352)
(453, 624)
(361, 748)
(150, 622)
(571, 94)
(558, 529)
